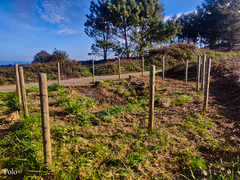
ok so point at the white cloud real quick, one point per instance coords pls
(170, 16)
(66, 31)
(55, 12)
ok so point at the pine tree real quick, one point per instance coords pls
(167, 31)
(124, 16)
(99, 28)
(190, 31)
(231, 23)
(150, 17)
(219, 22)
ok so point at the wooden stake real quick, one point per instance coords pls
(198, 73)
(93, 73)
(23, 91)
(18, 89)
(206, 91)
(151, 97)
(186, 72)
(45, 119)
(203, 72)
(119, 68)
(142, 66)
(163, 66)
(59, 75)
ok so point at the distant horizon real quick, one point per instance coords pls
(6, 63)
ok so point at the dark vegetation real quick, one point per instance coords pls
(214, 23)
(45, 57)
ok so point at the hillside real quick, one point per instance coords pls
(100, 132)
(175, 55)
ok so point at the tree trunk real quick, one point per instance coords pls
(105, 53)
(126, 42)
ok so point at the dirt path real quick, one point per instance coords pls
(69, 82)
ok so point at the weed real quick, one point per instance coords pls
(54, 87)
(11, 100)
(187, 158)
(60, 93)
(73, 108)
(136, 158)
(181, 93)
(109, 80)
(181, 100)
(84, 118)
(32, 89)
(62, 100)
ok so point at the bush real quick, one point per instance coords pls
(176, 53)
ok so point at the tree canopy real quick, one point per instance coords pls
(99, 28)
(44, 57)
(127, 26)
(216, 22)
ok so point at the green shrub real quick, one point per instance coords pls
(87, 73)
(2, 81)
(52, 76)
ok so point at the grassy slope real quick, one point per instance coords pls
(104, 136)
(176, 53)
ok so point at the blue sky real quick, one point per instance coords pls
(29, 26)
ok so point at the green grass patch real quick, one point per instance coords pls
(22, 149)
(180, 100)
(54, 87)
(32, 89)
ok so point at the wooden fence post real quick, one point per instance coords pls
(186, 71)
(93, 73)
(206, 90)
(45, 118)
(23, 91)
(59, 74)
(198, 73)
(163, 66)
(18, 89)
(119, 68)
(142, 66)
(203, 72)
(151, 97)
